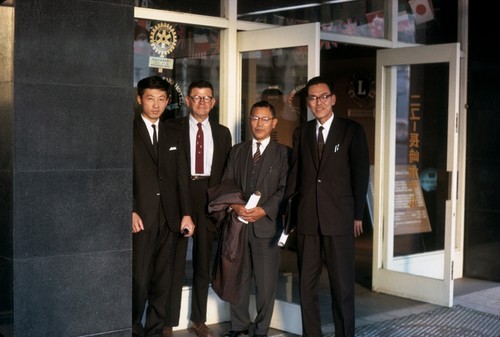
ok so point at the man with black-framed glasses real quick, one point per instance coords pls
(329, 177)
(206, 145)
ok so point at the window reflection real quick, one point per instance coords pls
(180, 53)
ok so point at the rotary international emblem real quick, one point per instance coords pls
(163, 39)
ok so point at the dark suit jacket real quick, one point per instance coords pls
(222, 145)
(158, 184)
(330, 194)
(271, 182)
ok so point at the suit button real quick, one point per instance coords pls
(319, 180)
(157, 193)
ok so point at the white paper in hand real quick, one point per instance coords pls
(251, 203)
(282, 240)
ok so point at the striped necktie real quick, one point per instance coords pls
(256, 155)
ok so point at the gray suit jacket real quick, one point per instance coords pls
(271, 182)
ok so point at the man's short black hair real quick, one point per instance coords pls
(319, 80)
(153, 82)
(264, 104)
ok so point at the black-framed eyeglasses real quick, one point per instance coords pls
(206, 99)
(263, 119)
(323, 98)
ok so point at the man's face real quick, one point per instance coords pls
(153, 102)
(200, 101)
(261, 129)
(321, 101)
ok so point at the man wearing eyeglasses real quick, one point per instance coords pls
(329, 173)
(206, 145)
(260, 165)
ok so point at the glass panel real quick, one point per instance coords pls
(427, 21)
(180, 53)
(278, 76)
(421, 178)
(205, 7)
(355, 17)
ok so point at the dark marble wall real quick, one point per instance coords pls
(71, 173)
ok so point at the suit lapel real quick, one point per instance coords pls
(313, 142)
(267, 161)
(331, 139)
(216, 153)
(247, 152)
(185, 142)
(144, 134)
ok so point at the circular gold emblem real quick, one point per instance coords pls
(163, 38)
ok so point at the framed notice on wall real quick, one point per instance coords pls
(410, 211)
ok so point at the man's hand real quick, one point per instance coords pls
(137, 224)
(358, 228)
(250, 215)
(187, 226)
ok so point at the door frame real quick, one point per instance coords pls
(424, 288)
(272, 38)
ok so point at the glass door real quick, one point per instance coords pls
(274, 65)
(414, 179)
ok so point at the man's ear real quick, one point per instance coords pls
(139, 100)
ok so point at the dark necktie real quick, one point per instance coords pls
(321, 142)
(199, 150)
(155, 140)
(256, 155)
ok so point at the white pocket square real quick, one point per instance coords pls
(173, 148)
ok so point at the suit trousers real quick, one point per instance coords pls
(203, 240)
(201, 254)
(260, 260)
(337, 252)
(153, 252)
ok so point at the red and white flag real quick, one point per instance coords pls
(422, 10)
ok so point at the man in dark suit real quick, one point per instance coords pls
(330, 171)
(260, 165)
(160, 197)
(212, 141)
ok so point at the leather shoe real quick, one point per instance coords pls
(167, 331)
(201, 329)
(260, 335)
(234, 333)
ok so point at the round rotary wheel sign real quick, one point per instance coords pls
(163, 39)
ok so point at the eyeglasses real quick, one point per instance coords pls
(263, 119)
(323, 98)
(197, 99)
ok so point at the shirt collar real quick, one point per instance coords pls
(193, 121)
(149, 123)
(263, 143)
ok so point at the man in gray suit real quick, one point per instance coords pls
(260, 165)
(329, 173)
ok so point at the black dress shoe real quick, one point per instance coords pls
(260, 335)
(233, 333)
